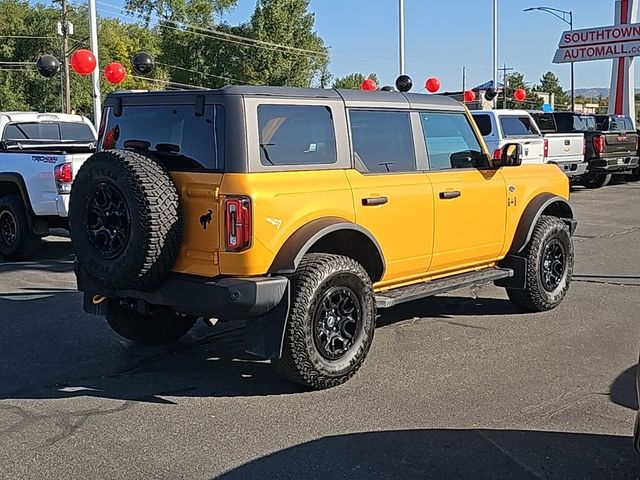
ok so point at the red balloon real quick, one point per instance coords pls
(115, 73)
(432, 85)
(83, 62)
(520, 94)
(369, 85)
(469, 96)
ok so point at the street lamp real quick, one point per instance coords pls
(401, 35)
(567, 17)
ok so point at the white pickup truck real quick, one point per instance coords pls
(499, 127)
(39, 156)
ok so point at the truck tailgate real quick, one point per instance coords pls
(619, 142)
(565, 146)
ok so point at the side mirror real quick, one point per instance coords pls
(510, 156)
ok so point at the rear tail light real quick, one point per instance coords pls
(546, 148)
(63, 175)
(497, 154)
(598, 144)
(584, 148)
(637, 143)
(237, 223)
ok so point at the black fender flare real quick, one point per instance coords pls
(298, 244)
(534, 210)
(17, 180)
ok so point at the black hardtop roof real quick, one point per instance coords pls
(349, 96)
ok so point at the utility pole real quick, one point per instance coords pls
(464, 79)
(64, 29)
(401, 36)
(495, 51)
(505, 80)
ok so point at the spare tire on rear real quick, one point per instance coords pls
(125, 221)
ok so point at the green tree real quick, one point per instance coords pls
(514, 82)
(550, 83)
(353, 80)
(287, 51)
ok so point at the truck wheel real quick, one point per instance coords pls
(17, 241)
(550, 258)
(634, 176)
(160, 325)
(331, 321)
(596, 180)
(124, 219)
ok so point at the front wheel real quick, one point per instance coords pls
(597, 180)
(550, 259)
(331, 322)
(634, 176)
(158, 326)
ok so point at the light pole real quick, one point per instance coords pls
(95, 76)
(401, 34)
(567, 17)
(495, 52)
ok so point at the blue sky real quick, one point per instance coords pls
(441, 36)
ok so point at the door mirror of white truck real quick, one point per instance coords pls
(509, 155)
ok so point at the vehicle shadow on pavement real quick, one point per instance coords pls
(623, 390)
(52, 349)
(450, 454)
(50, 256)
(446, 307)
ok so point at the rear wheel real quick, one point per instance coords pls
(597, 180)
(331, 322)
(549, 257)
(17, 241)
(159, 325)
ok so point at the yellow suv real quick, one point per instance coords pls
(304, 211)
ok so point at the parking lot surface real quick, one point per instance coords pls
(457, 386)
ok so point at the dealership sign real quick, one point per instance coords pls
(599, 43)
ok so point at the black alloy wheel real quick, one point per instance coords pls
(554, 265)
(108, 221)
(8, 229)
(336, 322)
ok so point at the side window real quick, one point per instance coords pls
(483, 122)
(296, 135)
(520, 126)
(382, 141)
(451, 142)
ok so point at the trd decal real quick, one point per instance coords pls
(206, 219)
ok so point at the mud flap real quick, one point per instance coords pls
(519, 278)
(264, 335)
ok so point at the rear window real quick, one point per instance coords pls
(54, 131)
(545, 122)
(484, 124)
(584, 123)
(175, 135)
(517, 126)
(296, 135)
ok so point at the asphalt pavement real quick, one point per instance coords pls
(457, 386)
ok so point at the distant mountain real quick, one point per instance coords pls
(595, 92)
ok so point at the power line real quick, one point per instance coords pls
(28, 36)
(202, 73)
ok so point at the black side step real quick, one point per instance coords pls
(434, 287)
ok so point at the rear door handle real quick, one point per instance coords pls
(449, 195)
(371, 201)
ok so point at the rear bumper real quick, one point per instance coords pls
(572, 168)
(222, 298)
(62, 204)
(621, 163)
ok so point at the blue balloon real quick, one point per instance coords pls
(547, 108)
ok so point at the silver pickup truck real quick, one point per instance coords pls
(567, 150)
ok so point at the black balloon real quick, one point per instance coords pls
(404, 83)
(143, 63)
(48, 66)
(490, 94)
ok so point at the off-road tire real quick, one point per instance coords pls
(302, 361)
(597, 181)
(155, 220)
(25, 243)
(535, 298)
(160, 325)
